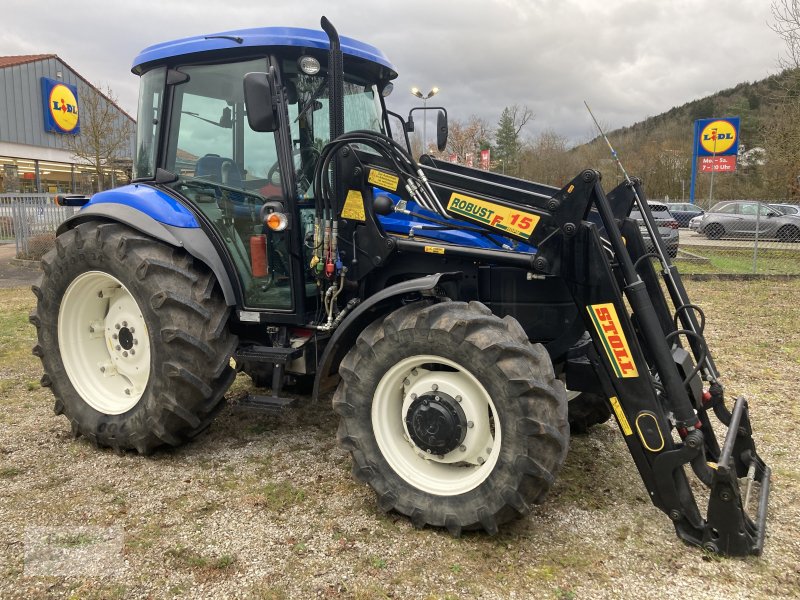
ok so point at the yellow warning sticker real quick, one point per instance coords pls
(434, 249)
(383, 180)
(498, 217)
(354, 206)
(607, 323)
(623, 420)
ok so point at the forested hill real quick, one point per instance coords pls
(659, 149)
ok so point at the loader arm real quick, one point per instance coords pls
(653, 384)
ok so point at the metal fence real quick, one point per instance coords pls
(31, 221)
(741, 237)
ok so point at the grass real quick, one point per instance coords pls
(265, 507)
(740, 261)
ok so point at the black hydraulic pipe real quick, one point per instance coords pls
(513, 259)
(733, 432)
(642, 306)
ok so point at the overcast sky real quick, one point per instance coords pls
(628, 59)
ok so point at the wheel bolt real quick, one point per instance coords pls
(414, 372)
(133, 351)
(124, 323)
(102, 369)
(459, 398)
(119, 348)
(481, 460)
(135, 342)
(116, 325)
(132, 330)
(470, 424)
(114, 336)
(434, 387)
(406, 381)
(125, 354)
(127, 391)
(488, 451)
(463, 448)
(413, 396)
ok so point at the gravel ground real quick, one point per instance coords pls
(263, 506)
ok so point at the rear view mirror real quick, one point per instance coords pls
(259, 100)
(441, 130)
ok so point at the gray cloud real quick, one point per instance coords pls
(629, 59)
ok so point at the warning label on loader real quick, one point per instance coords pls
(495, 216)
(606, 321)
(354, 206)
(383, 180)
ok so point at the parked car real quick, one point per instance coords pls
(667, 227)
(684, 212)
(694, 223)
(787, 209)
(739, 218)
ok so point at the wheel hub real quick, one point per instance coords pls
(436, 423)
(125, 338)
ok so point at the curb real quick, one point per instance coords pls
(28, 264)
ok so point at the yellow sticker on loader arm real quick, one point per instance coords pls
(387, 181)
(354, 206)
(501, 218)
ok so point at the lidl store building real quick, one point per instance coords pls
(44, 110)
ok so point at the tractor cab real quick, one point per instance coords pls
(194, 124)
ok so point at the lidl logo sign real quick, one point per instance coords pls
(717, 137)
(60, 103)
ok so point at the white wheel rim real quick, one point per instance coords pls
(104, 342)
(458, 471)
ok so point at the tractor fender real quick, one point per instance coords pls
(185, 234)
(365, 313)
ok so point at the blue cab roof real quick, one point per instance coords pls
(257, 37)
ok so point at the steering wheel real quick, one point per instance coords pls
(304, 172)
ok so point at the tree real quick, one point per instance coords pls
(508, 144)
(105, 133)
(782, 130)
(467, 139)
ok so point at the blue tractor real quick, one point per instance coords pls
(278, 224)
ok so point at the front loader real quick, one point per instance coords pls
(277, 227)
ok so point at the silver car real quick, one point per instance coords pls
(741, 218)
(667, 228)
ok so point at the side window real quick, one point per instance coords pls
(729, 209)
(749, 209)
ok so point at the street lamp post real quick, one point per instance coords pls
(424, 98)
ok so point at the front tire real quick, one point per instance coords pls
(714, 231)
(452, 416)
(133, 338)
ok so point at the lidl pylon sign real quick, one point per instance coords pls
(716, 143)
(717, 137)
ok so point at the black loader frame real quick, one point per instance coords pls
(653, 384)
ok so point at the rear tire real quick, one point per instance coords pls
(133, 338)
(452, 416)
(788, 233)
(586, 410)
